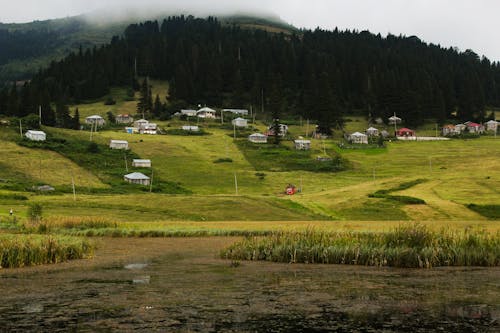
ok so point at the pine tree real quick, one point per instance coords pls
(76, 120)
(158, 107)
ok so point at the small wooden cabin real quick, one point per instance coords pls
(357, 137)
(257, 138)
(137, 178)
(141, 163)
(240, 122)
(36, 135)
(95, 119)
(302, 144)
(118, 144)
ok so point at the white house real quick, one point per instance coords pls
(449, 130)
(124, 119)
(491, 125)
(139, 124)
(240, 112)
(141, 163)
(474, 127)
(131, 130)
(460, 128)
(357, 137)
(95, 119)
(190, 128)
(206, 113)
(257, 138)
(283, 130)
(137, 178)
(36, 135)
(188, 113)
(240, 122)
(394, 120)
(149, 128)
(118, 144)
(372, 131)
(302, 144)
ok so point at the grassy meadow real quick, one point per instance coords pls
(218, 184)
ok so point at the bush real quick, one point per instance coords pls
(223, 160)
(109, 101)
(35, 213)
(93, 148)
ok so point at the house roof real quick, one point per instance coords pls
(394, 118)
(36, 132)
(188, 111)
(449, 126)
(136, 175)
(141, 161)
(119, 141)
(141, 121)
(236, 111)
(404, 129)
(189, 127)
(239, 119)
(95, 116)
(471, 124)
(206, 109)
(258, 135)
(492, 122)
(123, 115)
(302, 141)
(372, 129)
(358, 134)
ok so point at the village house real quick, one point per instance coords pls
(118, 144)
(36, 135)
(372, 131)
(206, 113)
(239, 112)
(257, 138)
(131, 130)
(139, 124)
(302, 144)
(95, 119)
(357, 137)
(283, 130)
(124, 119)
(491, 125)
(474, 127)
(188, 113)
(137, 178)
(240, 122)
(141, 163)
(405, 132)
(448, 130)
(190, 128)
(460, 128)
(149, 128)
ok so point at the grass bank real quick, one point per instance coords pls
(27, 250)
(414, 246)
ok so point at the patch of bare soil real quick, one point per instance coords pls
(182, 285)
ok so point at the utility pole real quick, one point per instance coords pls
(40, 115)
(234, 130)
(126, 164)
(20, 128)
(236, 183)
(73, 185)
(307, 128)
(151, 182)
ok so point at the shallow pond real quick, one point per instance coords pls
(180, 284)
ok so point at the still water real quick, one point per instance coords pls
(181, 285)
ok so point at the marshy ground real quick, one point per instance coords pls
(180, 284)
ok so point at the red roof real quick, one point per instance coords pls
(405, 131)
(473, 125)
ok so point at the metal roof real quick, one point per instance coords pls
(119, 141)
(94, 117)
(141, 161)
(36, 132)
(136, 175)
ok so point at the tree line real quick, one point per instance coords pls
(316, 74)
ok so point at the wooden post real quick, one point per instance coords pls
(40, 115)
(20, 128)
(126, 164)
(234, 130)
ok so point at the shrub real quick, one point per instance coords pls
(35, 212)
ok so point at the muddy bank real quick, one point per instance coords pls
(181, 285)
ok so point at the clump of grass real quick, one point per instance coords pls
(385, 194)
(77, 223)
(491, 212)
(223, 160)
(13, 197)
(19, 250)
(413, 246)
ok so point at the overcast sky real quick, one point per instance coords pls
(466, 24)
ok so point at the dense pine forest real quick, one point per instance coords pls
(320, 75)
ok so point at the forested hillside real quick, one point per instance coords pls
(318, 74)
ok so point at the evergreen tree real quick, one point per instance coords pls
(76, 120)
(63, 118)
(158, 107)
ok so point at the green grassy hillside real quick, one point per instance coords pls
(194, 176)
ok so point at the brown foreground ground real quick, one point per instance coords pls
(181, 285)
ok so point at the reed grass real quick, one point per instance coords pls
(27, 250)
(413, 246)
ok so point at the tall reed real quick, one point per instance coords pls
(26, 250)
(406, 246)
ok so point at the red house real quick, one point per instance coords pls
(405, 132)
